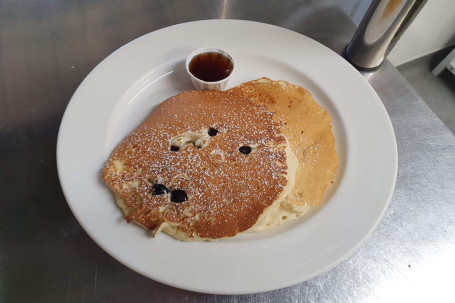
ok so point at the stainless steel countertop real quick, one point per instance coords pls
(46, 50)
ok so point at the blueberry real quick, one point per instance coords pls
(178, 196)
(158, 189)
(245, 150)
(174, 148)
(212, 132)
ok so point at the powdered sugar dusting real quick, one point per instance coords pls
(226, 194)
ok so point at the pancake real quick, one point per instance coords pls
(308, 128)
(205, 165)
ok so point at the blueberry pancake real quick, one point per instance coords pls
(205, 165)
(307, 126)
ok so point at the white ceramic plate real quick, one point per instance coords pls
(123, 89)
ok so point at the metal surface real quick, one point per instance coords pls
(380, 29)
(48, 47)
(447, 62)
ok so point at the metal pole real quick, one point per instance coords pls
(380, 29)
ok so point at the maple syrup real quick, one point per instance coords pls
(211, 66)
